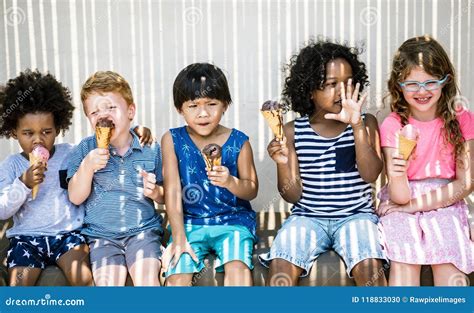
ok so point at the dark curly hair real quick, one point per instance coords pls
(307, 72)
(32, 92)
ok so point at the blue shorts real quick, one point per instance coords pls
(302, 239)
(41, 251)
(227, 242)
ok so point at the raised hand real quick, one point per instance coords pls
(351, 105)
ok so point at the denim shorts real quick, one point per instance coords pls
(302, 239)
(227, 242)
(125, 251)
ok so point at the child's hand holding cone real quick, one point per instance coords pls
(278, 150)
(97, 159)
(34, 175)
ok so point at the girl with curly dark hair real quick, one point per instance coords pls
(34, 109)
(423, 213)
(325, 163)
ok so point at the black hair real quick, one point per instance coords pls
(307, 72)
(200, 80)
(34, 92)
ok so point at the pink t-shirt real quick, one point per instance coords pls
(432, 158)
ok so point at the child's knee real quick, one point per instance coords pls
(179, 280)
(85, 279)
(369, 267)
(236, 266)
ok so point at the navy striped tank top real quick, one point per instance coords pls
(332, 186)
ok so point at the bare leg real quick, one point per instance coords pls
(237, 273)
(76, 267)
(179, 280)
(145, 272)
(369, 272)
(23, 276)
(283, 273)
(110, 275)
(448, 275)
(403, 274)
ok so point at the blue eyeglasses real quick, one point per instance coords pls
(431, 84)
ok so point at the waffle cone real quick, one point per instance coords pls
(211, 162)
(405, 146)
(102, 135)
(34, 159)
(274, 119)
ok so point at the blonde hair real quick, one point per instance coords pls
(106, 81)
(427, 53)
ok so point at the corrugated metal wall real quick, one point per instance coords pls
(150, 41)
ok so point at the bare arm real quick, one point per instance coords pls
(79, 187)
(172, 187)
(367, 146)
(173, 204)
(288, 174)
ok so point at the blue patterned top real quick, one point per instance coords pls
(204, 203)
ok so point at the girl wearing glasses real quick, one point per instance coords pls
(424, 218)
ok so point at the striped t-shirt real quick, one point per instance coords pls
(332, 186)
(116, 207)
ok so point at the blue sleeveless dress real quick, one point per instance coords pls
(204, 203)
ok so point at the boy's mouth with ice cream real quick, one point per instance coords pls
(103, 132)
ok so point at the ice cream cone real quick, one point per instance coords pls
(38, 154)
(275, 121)
(102, 135)
(212, 155)
(34, 159)
(405, 146)
(211, 162)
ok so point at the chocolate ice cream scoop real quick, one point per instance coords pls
(212, 151)
(270, 105)
(104, 122)
(212, 154)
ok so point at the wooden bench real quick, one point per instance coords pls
(328, 270)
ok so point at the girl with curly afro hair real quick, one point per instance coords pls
(325, 163)
(423, 206)
(34, 109)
